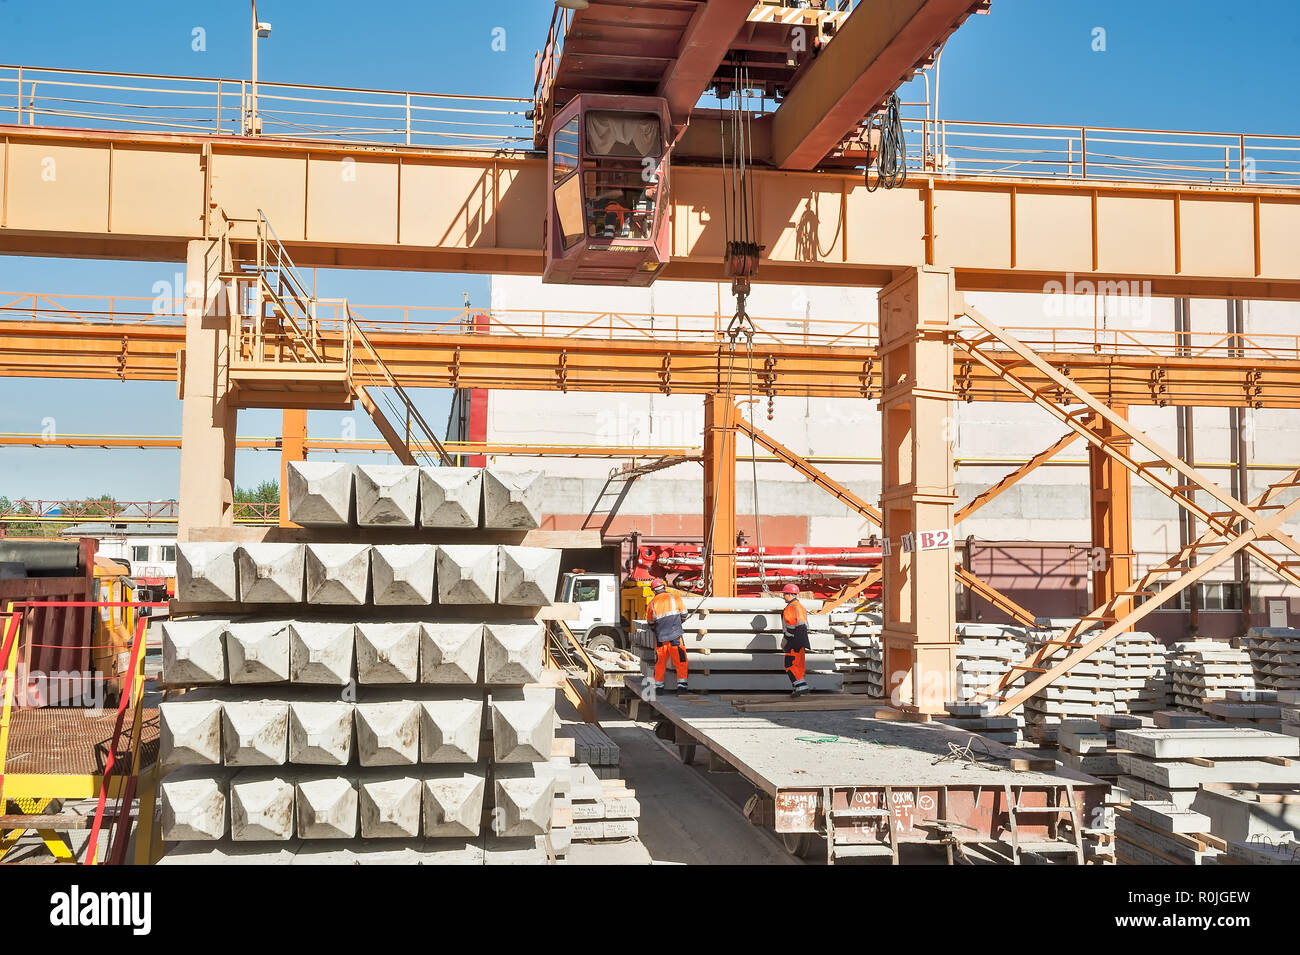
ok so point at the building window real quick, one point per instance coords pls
(139, 553)
(1214, 595)
(168, 553)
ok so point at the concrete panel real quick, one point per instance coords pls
(388, 652)
(261, 806)
(512, 501)
(390, 805)
(337, 574)
(512, 652)
(193, 651)
(523, 724)
(320, 493)
(403, 574)
(526, 576)
(258, 652)
(451, 730)
(453, 801)
(450, 497)
(271, 573)
(320, 734)
(387, 495)
(467, 573)
(207, 573)
(327, 808)
(522, 798)
(388, 733)
(321, 652)
(193, 806)
(450, 652)
(191, 732)
(255, 732)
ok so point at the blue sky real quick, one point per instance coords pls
(1195, 65)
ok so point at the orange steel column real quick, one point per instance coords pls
(208, 418)
(1112, 518)
(917, 493)
(293, 447)
(720, 493)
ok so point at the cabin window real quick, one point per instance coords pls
(566, 151)
(620, 204)
(585, 590)
(615, 133)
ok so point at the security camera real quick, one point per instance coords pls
(263, 29)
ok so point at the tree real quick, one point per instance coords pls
(268, 492)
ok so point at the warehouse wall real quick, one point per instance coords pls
(989, 439)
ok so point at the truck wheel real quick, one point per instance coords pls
(801, 845)
(602, 641)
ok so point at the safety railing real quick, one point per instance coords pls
(89, 99)
(32, 511)
(958, 150)
(1129, 329)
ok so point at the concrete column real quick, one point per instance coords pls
(720, 492)
(1111, 485)
(293, 447)
(208, 415)
(917, 493)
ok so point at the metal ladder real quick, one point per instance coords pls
(1054, 846)
(839, 850)
(619, 484)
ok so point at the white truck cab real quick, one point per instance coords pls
(599, 623)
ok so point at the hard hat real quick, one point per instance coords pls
(657, 585)
(790, 589)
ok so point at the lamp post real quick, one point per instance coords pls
(253, 122)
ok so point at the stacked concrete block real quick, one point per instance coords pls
(194, 651)
(450, 497)
(207, 573)
(527, 576)
(388, 651)
(980, 719)
(387, 495)
(271, 573)
(1171, 765)
(859, 652)
(512, 501)
(337, 574)
(735, 644)
(320, 493)
(403, 574)
(258, 651)
(1142, 666)
(321, 652)
(467, 573)
(985, 654)
(450, 652)
(389, 710)
(1203, 670)
(1089, 745)
(1247, 708)
(1086, 690)
(1274, 656)
(598, 809)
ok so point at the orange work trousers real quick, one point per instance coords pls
(794, 664)
(678, 653)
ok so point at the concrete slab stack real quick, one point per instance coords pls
(735, 644)
(985, 653)
(1274, 656)
(1142, 666)
(1171, 765)
(1203, 670)
(1087, 689)
(346, 706)
(593, 748)
(600, 809)
(1247, 708)
(859, 652)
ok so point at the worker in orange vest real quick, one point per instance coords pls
(665, 614)
(794, 630)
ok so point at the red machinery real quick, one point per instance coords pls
(821, 571)
(608, 220)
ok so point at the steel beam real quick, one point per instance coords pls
(706, 41)
(441, 210)
(1111, 505)
(876, 49)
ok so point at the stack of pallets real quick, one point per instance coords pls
(1203, 670)
(859, 653)
(363, 693)
(734, 643)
